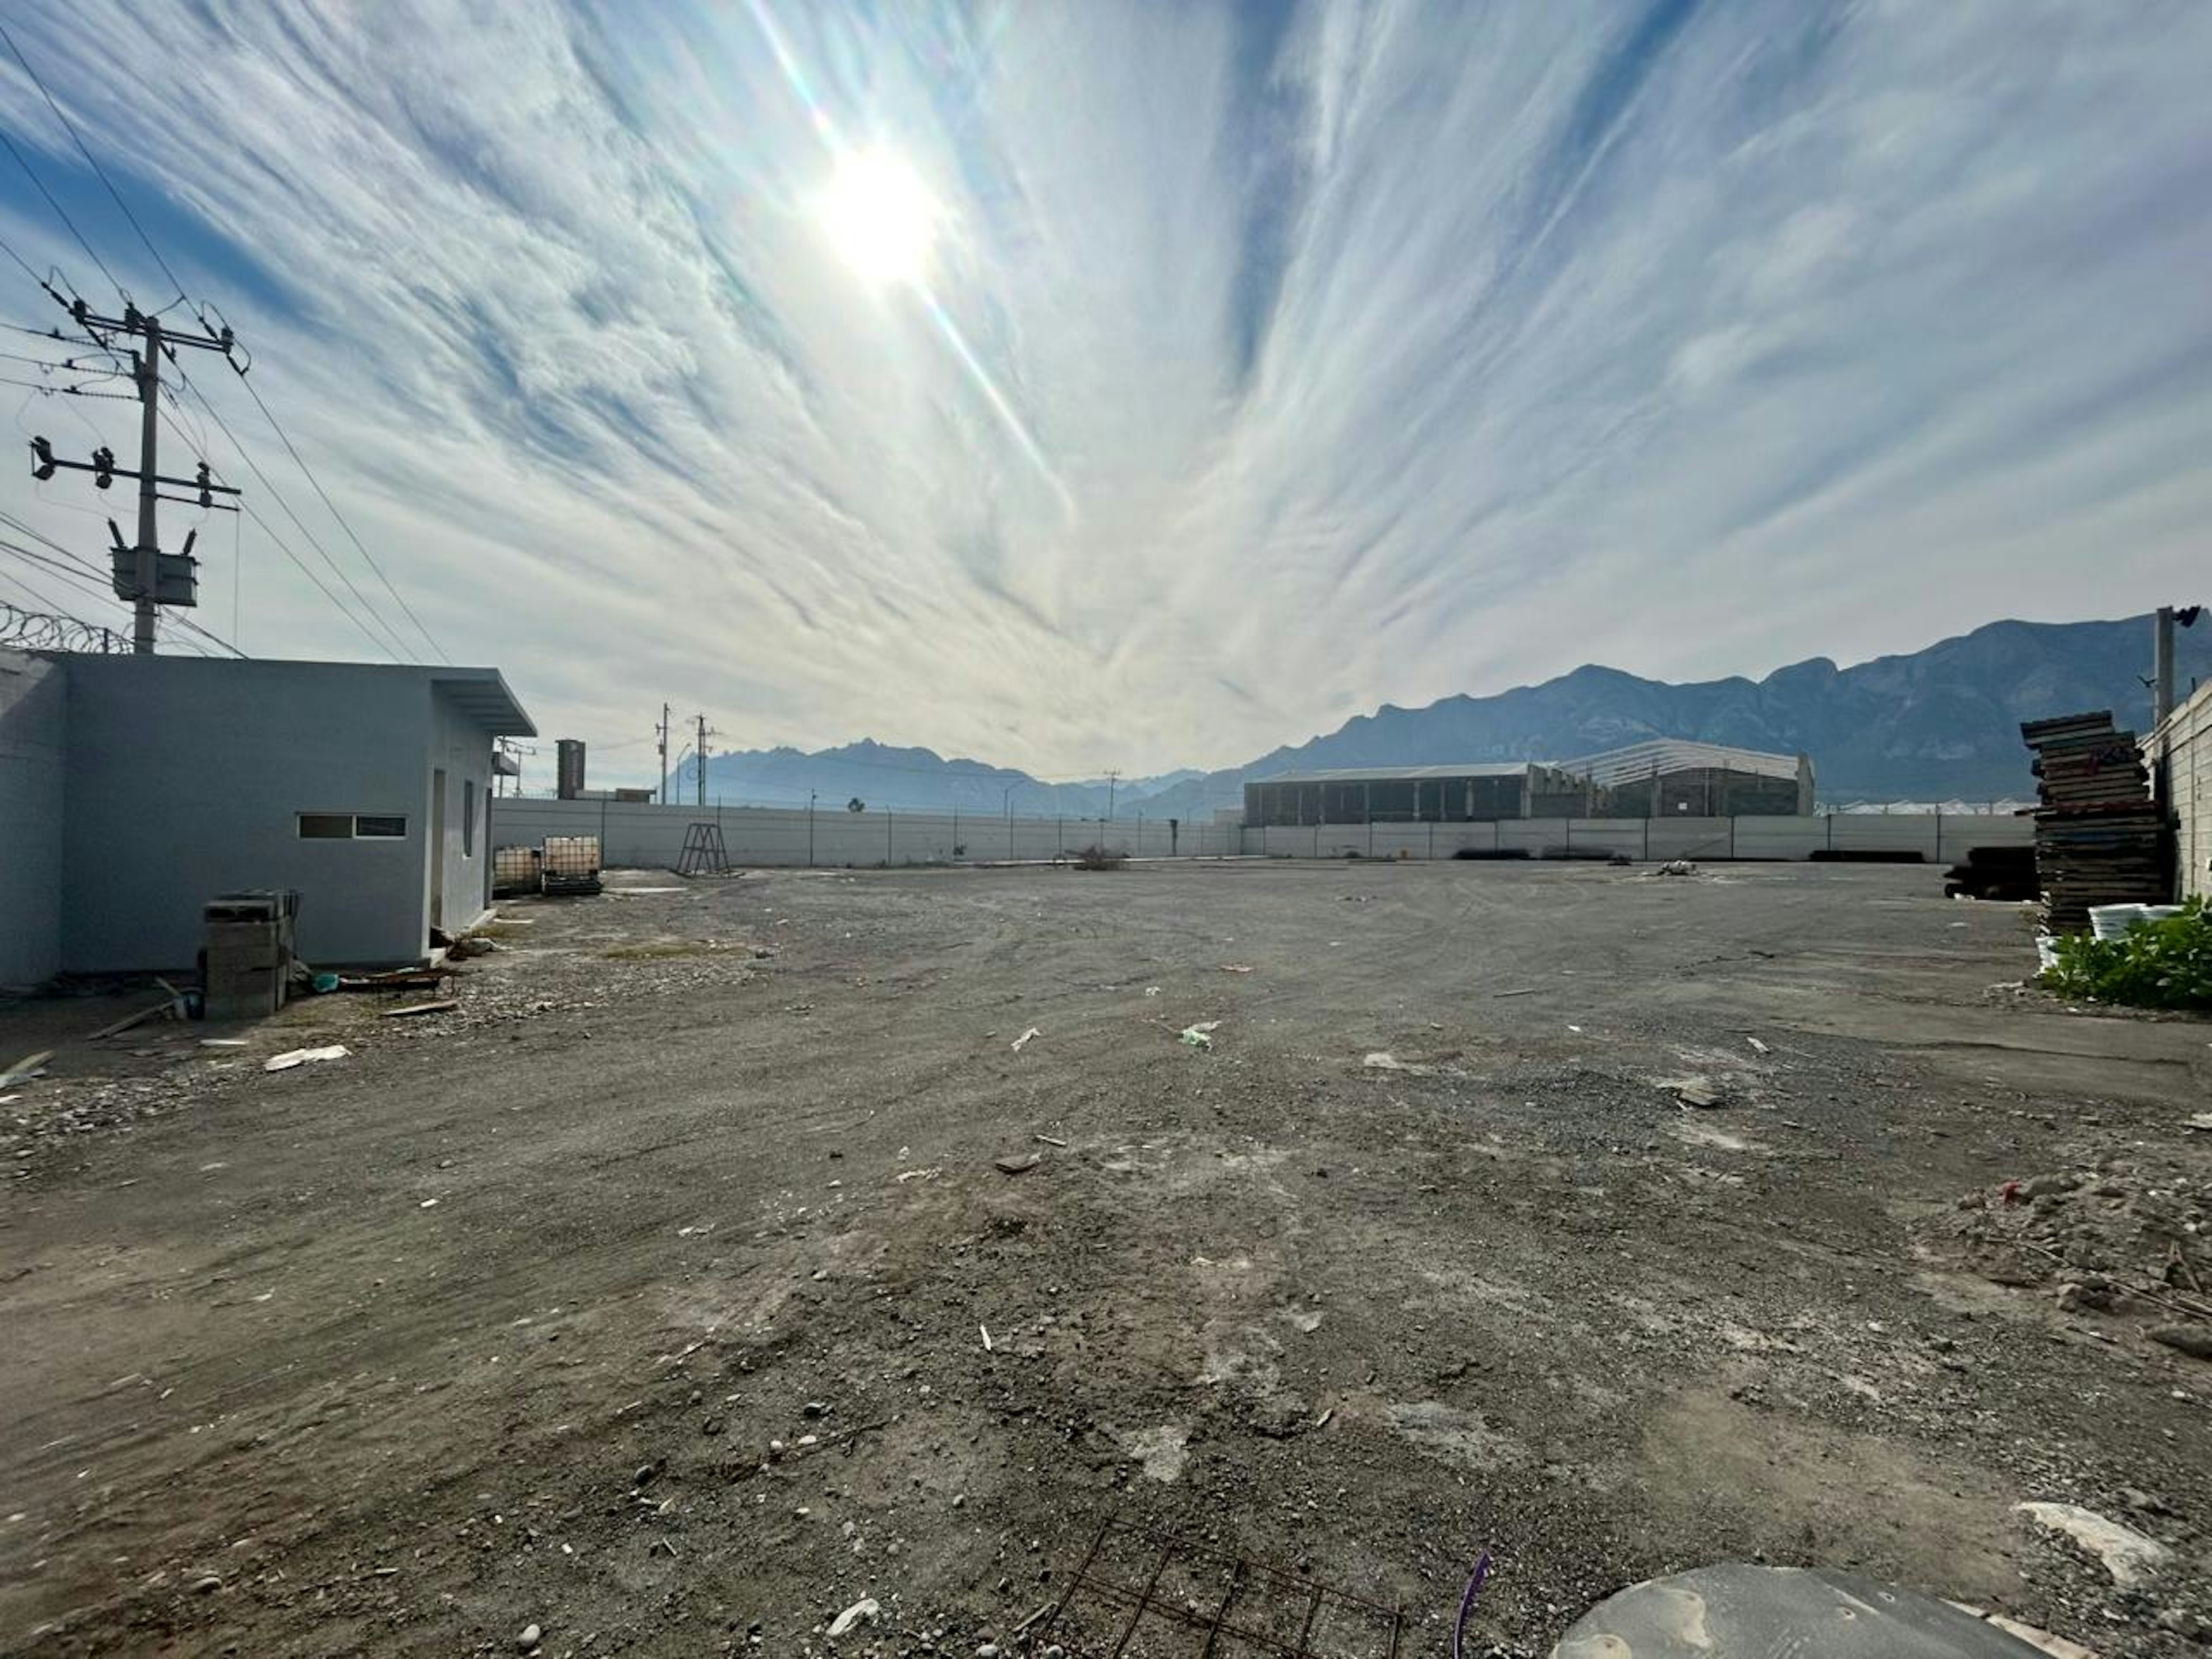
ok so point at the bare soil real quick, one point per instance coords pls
(643, 1297)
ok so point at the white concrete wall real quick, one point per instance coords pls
(633, 834)
(643, 834)
(33, 734)
(463, 748)
(1939, 838)
(2182, 746)
(185, 779)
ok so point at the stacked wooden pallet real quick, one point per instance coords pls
(2098, 838)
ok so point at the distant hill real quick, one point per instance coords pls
(904, 780)
(1937, 724)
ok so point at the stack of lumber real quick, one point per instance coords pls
(2098, 838)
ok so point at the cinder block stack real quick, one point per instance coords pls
(2096, 833)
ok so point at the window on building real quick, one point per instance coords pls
(468, 817)
(352, 826)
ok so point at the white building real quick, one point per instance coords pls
(134, 788)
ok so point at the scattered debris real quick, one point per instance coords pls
(1162, 1451)
(26, 1068)
(1200, 1036)
(1052, 1140)
(531, 1637)
(286, 1061)
(2195, 1340)
(1022, 1041)
(2128, 1555)
(1519, 991)
(1701, 1095)
(1382, 1061)
(1676, 867)
(918, 1175)
(2113, 1233)
(172, 1003)
(1152, 990)
(1757, 1045)
(1018, 1162)
(398, 979)
(1321, 1422)
(863, 1611)
(2203, 1120)
(439, 1007)
(986, 1329)
(1235, 968)
(222, 1043)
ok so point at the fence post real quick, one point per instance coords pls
(1731, 825)
(887, 838)
(1831, 832)
(1498, 835)
(1939, 835)
(1060, 835)
(1433, 840)
(1647, 841)
(955, 834)
(606, 853)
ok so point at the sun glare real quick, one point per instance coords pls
(880, 217)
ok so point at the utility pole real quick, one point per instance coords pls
(2161, 644)
(661, 730)
(699, 755)
(1111, 779)
(142, 573)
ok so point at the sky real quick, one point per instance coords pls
(1135, 386)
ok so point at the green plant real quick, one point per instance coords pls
(2166, 964)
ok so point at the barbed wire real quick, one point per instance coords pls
(41, 631)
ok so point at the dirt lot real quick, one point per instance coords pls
(523, 1314)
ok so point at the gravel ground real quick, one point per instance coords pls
(642, 1298)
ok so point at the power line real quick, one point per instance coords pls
(64, 572)
(92, 573)
(8, 248)
(69, 127)
(259, 402)
(436, 650)
(67, 391)
(397, 650)
(282, 545)
(63, 214)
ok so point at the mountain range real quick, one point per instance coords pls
(1937, 724)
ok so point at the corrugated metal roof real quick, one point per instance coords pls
(1640, 760)
(1397, 774)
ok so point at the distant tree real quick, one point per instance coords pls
(856, 805)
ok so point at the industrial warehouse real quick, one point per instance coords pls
(1659, 778)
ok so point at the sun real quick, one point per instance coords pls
(879, 216)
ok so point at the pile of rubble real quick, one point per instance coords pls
(2104, 1237)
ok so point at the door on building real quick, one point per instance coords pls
(438, 848)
